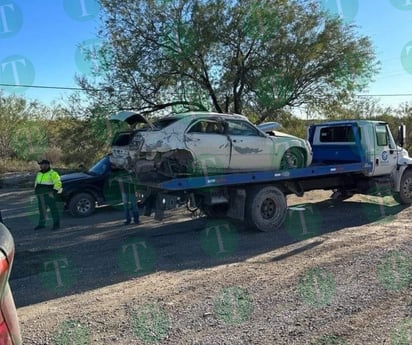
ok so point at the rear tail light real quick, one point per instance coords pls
(9, 323)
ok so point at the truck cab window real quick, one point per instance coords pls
(340, 134)
(381, 135)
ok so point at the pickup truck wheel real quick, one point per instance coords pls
(292, 158)
(82, 205)
(266, 208)
(405, 192)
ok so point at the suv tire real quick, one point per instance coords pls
(82, 205)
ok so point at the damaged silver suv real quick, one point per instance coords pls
(202, 143)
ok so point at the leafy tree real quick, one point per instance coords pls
(72, 134)
(30, 140)
(83, 132)
(404, 110)
(243, 56)
(17, 139)
(79, 147)
(11, 114)
(353, 108)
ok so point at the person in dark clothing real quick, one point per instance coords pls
(46, 187)
(128, 192)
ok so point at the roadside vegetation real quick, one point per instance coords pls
(67, 136)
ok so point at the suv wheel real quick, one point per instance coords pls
(82, 205)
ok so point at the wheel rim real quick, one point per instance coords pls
(83, 206)
(291, 160)
(268, 209)
(407, 188)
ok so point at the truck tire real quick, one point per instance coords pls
(405, 192)
(82, 205)
(266, 208)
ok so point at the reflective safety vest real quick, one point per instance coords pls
(47, 181)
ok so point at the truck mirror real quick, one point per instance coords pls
(401, 135)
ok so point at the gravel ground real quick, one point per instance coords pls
(338, 273)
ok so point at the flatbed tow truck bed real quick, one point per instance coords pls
(244, 195)
(313, 171)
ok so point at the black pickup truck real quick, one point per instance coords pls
(82, 191)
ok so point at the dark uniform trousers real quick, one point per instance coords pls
(46, 198)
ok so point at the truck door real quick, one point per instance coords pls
(385, 152)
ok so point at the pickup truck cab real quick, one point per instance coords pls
(365, 141)
(353, 141)
(82, 191)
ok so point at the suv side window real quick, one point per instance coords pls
(241, 128)
(196, 128)
(209, 127)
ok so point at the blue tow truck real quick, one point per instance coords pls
(349, 157)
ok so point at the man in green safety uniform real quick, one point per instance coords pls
(46, 188)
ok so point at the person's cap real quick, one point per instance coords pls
(44, 161)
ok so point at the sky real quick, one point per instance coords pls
(41, 44)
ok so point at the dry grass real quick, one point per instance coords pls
(16, 165)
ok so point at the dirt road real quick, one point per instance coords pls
(337, 273)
